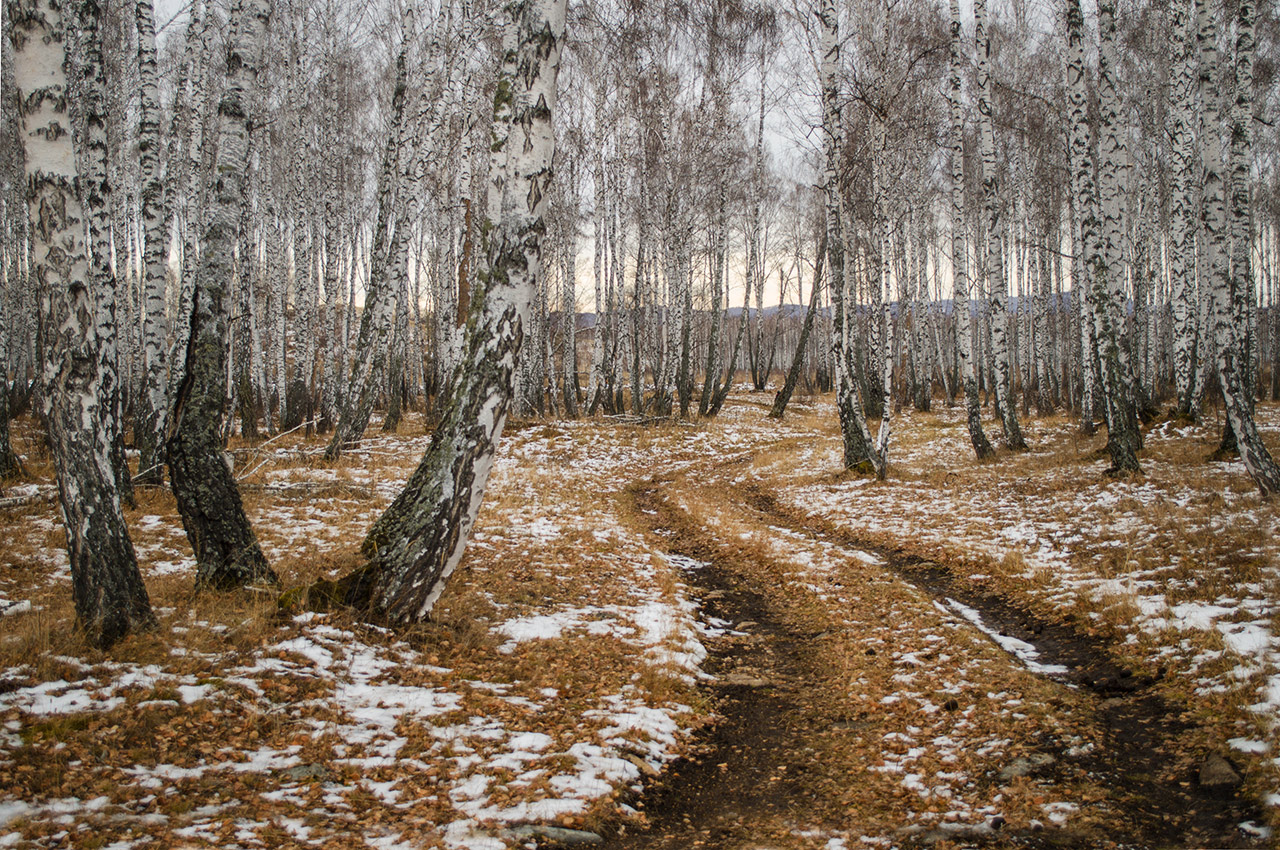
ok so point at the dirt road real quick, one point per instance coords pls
(868, 701)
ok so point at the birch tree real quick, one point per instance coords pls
(1107, 269)
(996, 283)
(151, 424)
(1181, 234)
(374, 321)
(1227, 279)
(227, 551)
(107, 588)
(417, 543)
(859, 451)
(959, 252)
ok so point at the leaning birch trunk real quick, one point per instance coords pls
(595, 379)
(1107, 268)
(569, 315)
(959, 253)
(880, 458)
(151, 424)
(1231, 355)
(997, 286)
(722, 392)
(783, 398)
(109, 595)
(227, 552)
(711, 375)
(417, 543)
(858, 450)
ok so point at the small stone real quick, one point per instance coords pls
(851, 725)
(1217, 772)
(1026, 766)
(871, 651)
(308, 773)
(746, 624)
(558, 834)
(644, 766)
(743, 680)
(713, 594)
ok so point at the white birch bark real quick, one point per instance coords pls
(859, 451)
(1226, 281)
(1107, 271)
(107, 588)
(416, 545)
(150, 425)
(227, 551)
(595, 380)
(379, 298)
(960, 251)
(997, 286)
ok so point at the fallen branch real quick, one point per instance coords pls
(43, 494)
(310, 488)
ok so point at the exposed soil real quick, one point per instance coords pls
(759, 777)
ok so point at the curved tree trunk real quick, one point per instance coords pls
(374, 320)
(227, 552)
(783, 398)
(417, 543)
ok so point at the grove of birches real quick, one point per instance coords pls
(239, 218)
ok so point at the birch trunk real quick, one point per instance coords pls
(1228, 278)
(960, 252)
(10, 466)
(859, 453)
(596, 378)
(711, 378)
(1107, 269)
(417, 543)
(783, 397)
(569, 316)
(96, 195)
(227, 552)
(107, 588)
(370, 341)
(997, 286)
(151, 424)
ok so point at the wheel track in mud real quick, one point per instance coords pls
(750, 767)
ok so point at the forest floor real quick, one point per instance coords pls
(679, 636)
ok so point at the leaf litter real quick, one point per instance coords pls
(569, 660)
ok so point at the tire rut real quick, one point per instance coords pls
(745, 779)
(1141, 754)
(748, 768)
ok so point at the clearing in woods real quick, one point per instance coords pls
(673, 637)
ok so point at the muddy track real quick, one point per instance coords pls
(749, 771)
(1143, 753)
